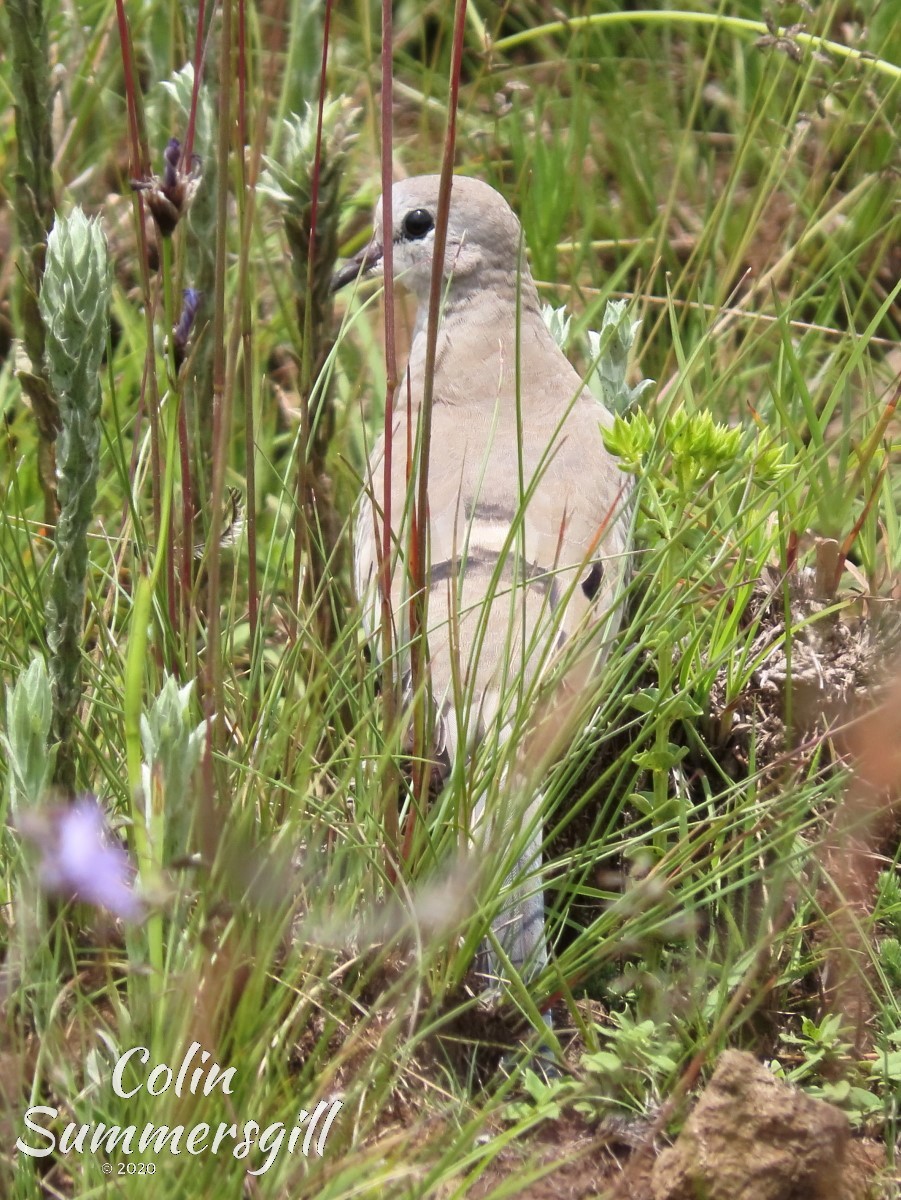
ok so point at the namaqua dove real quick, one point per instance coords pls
(528, 521)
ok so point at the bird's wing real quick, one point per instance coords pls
(519, 560)
(516, 569)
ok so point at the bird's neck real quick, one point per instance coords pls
(491, 289)
(484, 322)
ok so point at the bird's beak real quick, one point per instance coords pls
(367, 261)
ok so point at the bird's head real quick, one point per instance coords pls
(483, 236)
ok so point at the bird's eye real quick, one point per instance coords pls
(417, 224)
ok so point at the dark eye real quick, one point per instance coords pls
(417, 224)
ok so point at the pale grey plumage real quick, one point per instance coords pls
(527, 537)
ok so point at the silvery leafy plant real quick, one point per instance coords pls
(289, 182)
(74, 304)
(609, 350)
(28, 717)
(172, 743)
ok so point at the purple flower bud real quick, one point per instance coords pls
(171, 155)
(191, 304)
(169, 195)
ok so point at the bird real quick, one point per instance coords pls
(528, 522)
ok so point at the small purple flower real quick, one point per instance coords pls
(193, 298)
(79, 860)
(169, 195)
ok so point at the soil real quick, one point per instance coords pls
(749, 1137)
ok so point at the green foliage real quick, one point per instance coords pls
(683, 453)
(28, 718)
(858, 1102)
(547, 1098)
(820, 1044)
(890, 960)
(888, 899)
(289, 181)
(74, 303)
(75, 307)
(559, 323)
(172, 742)
(30, 87)
(178, 92)
(862, 1089)
(634, 1063)
(610, 351)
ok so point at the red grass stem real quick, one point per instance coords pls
(390, 815)
(418, 555)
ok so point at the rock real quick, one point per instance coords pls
(751, 1137)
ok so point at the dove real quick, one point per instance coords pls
(528, 529)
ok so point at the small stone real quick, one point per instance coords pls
(752, 1137)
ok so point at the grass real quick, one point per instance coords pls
(737, 186)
